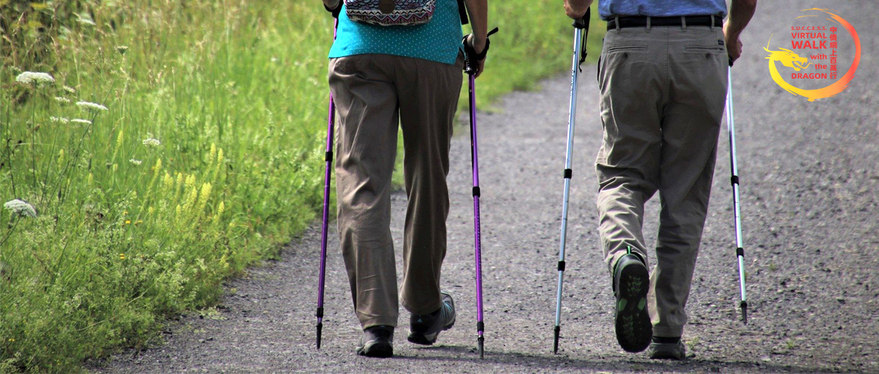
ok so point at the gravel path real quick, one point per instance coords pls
(810, 189)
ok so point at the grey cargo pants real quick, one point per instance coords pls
(662, 100)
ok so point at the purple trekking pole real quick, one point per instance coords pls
(470, 69)
(328, 158)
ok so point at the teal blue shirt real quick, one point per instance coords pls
(438, 40)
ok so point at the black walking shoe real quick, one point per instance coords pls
(424, 329)
(667, 349)
(631, 281)
(377, 341)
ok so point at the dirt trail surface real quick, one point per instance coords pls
(809, 187)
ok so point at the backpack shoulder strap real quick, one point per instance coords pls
(463, 12)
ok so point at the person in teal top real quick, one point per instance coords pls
(438, 40)
(383, 78)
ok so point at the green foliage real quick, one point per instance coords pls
(206, 160)
(209, 155)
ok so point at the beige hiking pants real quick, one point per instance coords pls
(373, 93)
(662, 99)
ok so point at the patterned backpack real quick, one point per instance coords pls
(390, 12)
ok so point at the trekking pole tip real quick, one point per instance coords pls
(481, 345)
(555, 343)
(319, 328)
(744, 306)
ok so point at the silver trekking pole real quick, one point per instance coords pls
(734, 180)
(581, 30)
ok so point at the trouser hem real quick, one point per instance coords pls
(383, 321)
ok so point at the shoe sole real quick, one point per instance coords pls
(632, 322)
(376, 349)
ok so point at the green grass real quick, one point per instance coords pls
(129, 232)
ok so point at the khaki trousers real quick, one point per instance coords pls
(662, 99)
(373, 93)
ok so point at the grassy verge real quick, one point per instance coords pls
(178, 143)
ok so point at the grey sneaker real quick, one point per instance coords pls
(667, 351)
(377, 341)
(424, 329)
(631, 321)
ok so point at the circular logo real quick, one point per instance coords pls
(813, 56)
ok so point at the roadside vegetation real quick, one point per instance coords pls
(150, 149)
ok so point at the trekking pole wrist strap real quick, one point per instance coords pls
(582, 23)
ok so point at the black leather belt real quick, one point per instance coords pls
(664, 21)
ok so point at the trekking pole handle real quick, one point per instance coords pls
(335, 12)
(582, 23)
(471, 57)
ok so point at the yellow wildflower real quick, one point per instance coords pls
(213, 155)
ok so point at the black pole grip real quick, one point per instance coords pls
(471, 57)
(583, 23)
(335, 12)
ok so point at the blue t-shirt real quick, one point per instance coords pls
(609, 9)
(438, 40)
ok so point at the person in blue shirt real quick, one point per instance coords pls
(663, 81)
(382, 77)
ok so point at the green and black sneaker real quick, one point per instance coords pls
(631, 281)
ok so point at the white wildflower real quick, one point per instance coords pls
(90, 105)
(69, 89)
(135, 161)
(59, 119)
(21, 207)
(62, 100)
(81, 121)
(152, 142)
(31, 77)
